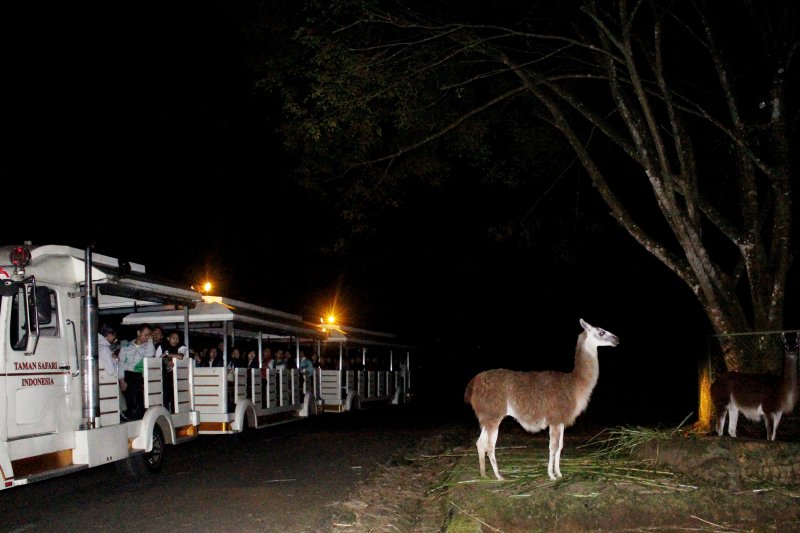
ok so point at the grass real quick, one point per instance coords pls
(605, 485)
(605, 458)
(621, 441)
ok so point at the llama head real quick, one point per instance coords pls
(598, 336)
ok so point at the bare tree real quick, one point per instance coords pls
(678, 108)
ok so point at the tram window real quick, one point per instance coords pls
(51, 329)
(18, 334)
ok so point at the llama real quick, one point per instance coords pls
(537, 399)
(757, 395)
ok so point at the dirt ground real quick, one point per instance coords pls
(673, 481)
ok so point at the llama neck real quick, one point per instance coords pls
(587, 369)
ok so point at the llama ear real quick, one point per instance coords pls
(584, 324)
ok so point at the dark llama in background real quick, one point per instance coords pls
(537, 399)
(757, 395)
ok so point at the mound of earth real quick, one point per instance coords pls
(673, 483)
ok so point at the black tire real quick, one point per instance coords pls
(154, 459)
(144, 464)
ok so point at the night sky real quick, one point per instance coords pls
(136, 129)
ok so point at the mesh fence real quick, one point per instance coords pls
(754, 353)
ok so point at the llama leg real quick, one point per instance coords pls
(733, 417)
(492, 439)
(723, 414)
(483, 445)
(556, 443)
(772, 421)
(768, 425)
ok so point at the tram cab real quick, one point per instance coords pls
(59, 408)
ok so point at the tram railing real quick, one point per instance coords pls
(109, 399)
(209, 390)
(182, 384)
(334, 386)
(153, 382)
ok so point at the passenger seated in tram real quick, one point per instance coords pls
(109, 362)
(279, 361)
(173, 350)
(267, 363)
(158, 340)
(214, 359)
(252, 360)
(306, 369)
(131, 360)
(235, 361)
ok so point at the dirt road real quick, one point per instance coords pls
(288, 478)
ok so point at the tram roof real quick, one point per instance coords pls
(352, 336)
(212, 311)
(133, 291)
(122, 285)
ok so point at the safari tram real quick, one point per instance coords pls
(60, 410)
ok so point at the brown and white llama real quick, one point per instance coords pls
(537, 399)
(757, 395)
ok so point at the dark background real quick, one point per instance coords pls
(137, 129)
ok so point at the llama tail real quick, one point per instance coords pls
(468, 392)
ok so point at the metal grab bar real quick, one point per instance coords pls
(77, 370)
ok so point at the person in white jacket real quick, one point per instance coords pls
(106, 341)
(131, 368)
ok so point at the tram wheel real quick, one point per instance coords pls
(147, 463)
(154, 459)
